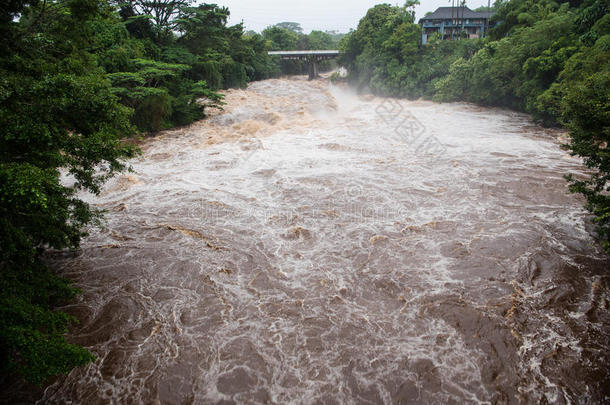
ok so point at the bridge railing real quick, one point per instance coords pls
(313, 57)
(328, 53)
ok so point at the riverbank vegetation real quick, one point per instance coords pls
(77, 78)
(548, 58)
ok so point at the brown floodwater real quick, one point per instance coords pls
(304, 247)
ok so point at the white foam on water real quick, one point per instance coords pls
(297, 248)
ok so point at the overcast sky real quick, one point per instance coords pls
(339, 15)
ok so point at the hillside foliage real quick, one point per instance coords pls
(78, 77)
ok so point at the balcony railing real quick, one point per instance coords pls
(449, 25)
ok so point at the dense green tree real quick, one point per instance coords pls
(57, 113)
(291, 26)
(164, 15)
(75, 76)
(515, 70)
(336, 38)
(165, 78)
(514, 14)
(225, 57)
(385, 54)
(320, 40)
(281, 39)
(582, 96)
(261, 65)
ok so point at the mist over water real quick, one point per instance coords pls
(297, 249)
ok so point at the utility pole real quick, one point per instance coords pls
(452, 20)
(459, 21)
(462, 24)
(488, 17)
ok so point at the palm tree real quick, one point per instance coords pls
(463, 7)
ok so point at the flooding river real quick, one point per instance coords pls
(312, 246)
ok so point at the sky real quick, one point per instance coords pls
(338, 15)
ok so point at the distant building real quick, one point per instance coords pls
(450, 21)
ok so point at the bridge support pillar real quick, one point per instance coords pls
(313, 69)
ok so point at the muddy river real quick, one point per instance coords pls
(309, 245)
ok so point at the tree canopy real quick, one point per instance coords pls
(78, 77)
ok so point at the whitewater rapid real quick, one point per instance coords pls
(308, 245)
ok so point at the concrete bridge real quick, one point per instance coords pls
(312, 56)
